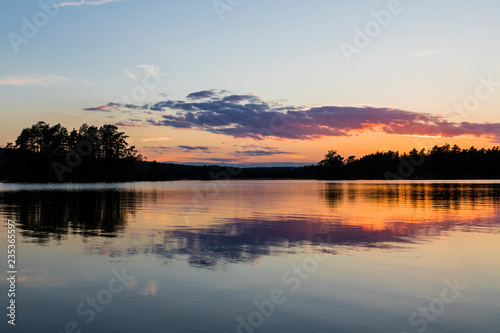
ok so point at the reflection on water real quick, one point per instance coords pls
(244, 224)
(449, 195)
(46, 215)
(372, 215)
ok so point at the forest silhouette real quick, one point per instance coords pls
(44, 153)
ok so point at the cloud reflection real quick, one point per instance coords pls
(369, 216)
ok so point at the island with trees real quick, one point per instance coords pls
(44, 153)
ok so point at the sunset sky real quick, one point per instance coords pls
(230, 81)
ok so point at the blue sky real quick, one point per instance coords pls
(428, 58)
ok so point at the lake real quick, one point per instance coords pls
(254, 256)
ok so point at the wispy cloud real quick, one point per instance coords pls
(221, 160)
(198, 148)
(33, 80)
(103, 108)
(255, 150)
(156, 139)
(84, 3)
(429, 53)
(156, 149)
(130, 74)
(113, 106)
(262, 152)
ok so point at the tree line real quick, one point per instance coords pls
(440, 162)
(44, 153)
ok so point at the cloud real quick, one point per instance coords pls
(127, 124)
(221, 160)
(253, 146)
(240, 98)
(201, 94)
(247, 116)
(83, 2)
(156, 149)
(113, 106)
(130, 74)
(191, 148)
(156, 139)
(34, 80)
(255, 150)
(262, 152)
(104, 108)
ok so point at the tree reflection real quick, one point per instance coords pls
(97, 215)
(46, 215)
(451, 196)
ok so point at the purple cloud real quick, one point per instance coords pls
(191, 148)
(247, 116)
(201, 94)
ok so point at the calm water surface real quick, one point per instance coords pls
(255, 256)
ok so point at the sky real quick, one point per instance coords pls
(245, 82)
